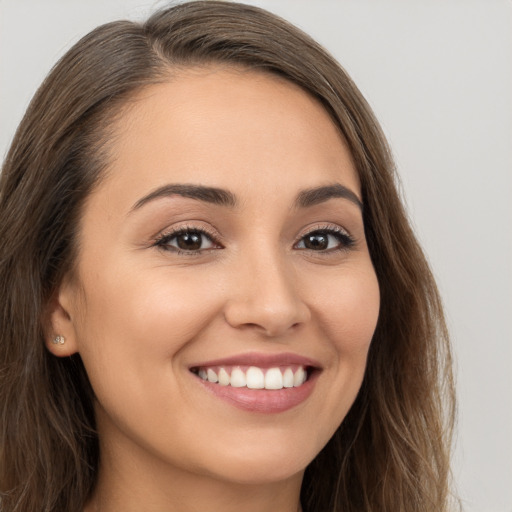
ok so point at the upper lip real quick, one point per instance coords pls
(260, 359)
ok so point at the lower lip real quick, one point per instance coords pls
(267, 401)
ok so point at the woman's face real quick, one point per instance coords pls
(225, 242)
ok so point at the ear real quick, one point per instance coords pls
(60, 324)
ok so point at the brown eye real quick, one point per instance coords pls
(187, 240)
(325, 240)
(316, 241)
(191, 241)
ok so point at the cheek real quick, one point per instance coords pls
(348, 308)
(150, 302)
(347, 311)
(134, 331)
(136, 323)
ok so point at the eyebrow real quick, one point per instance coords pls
(212, 195)
(314, 196)
(222, 197)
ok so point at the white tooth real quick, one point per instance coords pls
(238, 378)
(273, 379)
(223, 377)
(288, 378)
(299, 377)
(202, 373)
(212, 376)
(255, 378)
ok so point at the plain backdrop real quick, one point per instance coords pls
(438, 74)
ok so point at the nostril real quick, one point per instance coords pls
(269, 319)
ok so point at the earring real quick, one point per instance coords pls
(59, 340)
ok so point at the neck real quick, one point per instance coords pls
(196, 494)
(136, 483)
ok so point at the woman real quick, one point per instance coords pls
(212, 296)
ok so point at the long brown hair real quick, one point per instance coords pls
(391, 452)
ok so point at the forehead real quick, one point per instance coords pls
(238, 129)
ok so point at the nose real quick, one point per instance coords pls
(265, 296)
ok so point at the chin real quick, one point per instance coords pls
(263, 466)
(269, 472)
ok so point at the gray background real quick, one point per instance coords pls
(438, 74)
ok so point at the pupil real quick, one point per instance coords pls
(189, 241)
(317, 241)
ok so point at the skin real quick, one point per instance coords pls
(140, 315)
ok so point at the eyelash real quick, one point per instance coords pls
(346, 241)
(163, 240)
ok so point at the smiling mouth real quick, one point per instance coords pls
(254, 377)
